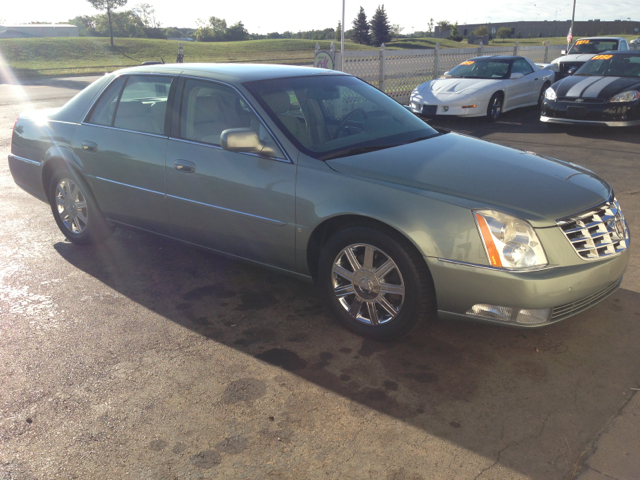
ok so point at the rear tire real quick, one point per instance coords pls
(376, 283)
(75, 210)
(494, 109)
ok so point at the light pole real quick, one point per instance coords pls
(342, 40)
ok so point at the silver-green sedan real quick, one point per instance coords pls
(317, 174)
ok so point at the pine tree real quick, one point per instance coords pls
(380, 27)
(361, 29)
(339, 31)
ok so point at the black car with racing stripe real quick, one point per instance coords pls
(604, 91)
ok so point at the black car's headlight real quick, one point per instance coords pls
(550, 94)
(510, 243)
(625, 97)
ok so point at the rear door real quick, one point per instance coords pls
(237, 203)
(122, 146)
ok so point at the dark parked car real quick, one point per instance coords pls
(318, 174)
(604, 91)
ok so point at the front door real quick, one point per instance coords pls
(122, 148)
(237, 203)
(520, 91)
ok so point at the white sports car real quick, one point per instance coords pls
(483, 86)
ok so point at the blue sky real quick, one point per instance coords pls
(264, 16)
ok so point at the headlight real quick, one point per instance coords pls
(510, 243)
(550, 94)
(625, 97)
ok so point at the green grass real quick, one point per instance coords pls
(32, 57)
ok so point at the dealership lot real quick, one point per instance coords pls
(145, 359)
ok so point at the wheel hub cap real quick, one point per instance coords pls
(366, 285)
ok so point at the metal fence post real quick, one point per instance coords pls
(480, 48)
(515, 49)
(317, 48)
(546, 51)
(436, 62)
(338, 65)
(382, 68)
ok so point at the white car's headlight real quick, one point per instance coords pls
(510, 243)
(550, 94)
(625, 97)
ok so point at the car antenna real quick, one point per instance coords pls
(162, 60)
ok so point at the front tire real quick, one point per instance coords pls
(494, 110)
(75, 210)
(376, 283)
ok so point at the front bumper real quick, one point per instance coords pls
(605, 114)
(427, 108)
(567, 291)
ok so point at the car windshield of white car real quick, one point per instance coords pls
(593, 46)
(608, 65)
(329, 116)
(495, 69)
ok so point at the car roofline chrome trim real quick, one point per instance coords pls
(497, 269)
(229, 210)
(275, 138)
(627, 123)
(25, 160)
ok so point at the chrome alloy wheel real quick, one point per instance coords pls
(496, 107)
(368, 284)
(72, 206)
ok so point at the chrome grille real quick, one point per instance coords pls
(597, 233)
(569, 309)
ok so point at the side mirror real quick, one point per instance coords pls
(572, 70)
(446, 73)
(243, 140)
(516, 75)
(563, 52)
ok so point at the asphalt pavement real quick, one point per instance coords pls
(147, 359)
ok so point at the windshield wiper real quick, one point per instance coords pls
(356, 151)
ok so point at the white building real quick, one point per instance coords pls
(38, 31)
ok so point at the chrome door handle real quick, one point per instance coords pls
(184, 166)
(89, 146)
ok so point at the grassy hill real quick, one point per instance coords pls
(29, 57)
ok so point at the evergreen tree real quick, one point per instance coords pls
(380, 27)
(361, 29)
(339, 31)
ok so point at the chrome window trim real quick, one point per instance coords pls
(257, 217)
(497, 269)
(25, 160)
(275, 138)
(124, 130)
(218, 147)
(126, 185)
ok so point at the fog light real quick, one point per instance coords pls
(510, 315)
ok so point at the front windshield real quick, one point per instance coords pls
(329, 116)
(612, 66)
(496, 69)
(593, 46)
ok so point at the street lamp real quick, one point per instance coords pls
(342, 40)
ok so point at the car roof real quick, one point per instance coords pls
(497, 57)
(600, 38)
(232, 72)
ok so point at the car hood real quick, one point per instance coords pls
(581, 86)
(478, 174)
(582, 57)
(460, 86)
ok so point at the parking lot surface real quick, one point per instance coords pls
(143, 358)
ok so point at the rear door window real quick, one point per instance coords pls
(143, 104)
(105, 109)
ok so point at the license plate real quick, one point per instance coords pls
(576, 112)
(429, 109)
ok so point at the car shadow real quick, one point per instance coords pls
(527, 121)
(507, 394)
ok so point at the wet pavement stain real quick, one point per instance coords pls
(256, 334)
(233, 445)
(389, 385)
(206, 459)
(281, 357)
(252, 300)
(244, 390)
(157, 445)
